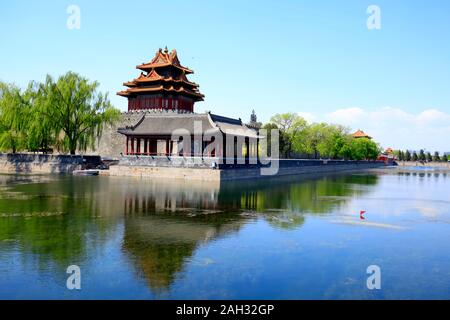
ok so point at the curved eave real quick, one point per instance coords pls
(123, 93)
(127, 93)
(193, 84)
(124, 131)
(149, 66)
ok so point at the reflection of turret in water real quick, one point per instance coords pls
(52, 219)
(304, 195)
(165, 223)
(170, 196)
(161, 244)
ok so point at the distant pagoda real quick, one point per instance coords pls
(360, 134)
(163, 85)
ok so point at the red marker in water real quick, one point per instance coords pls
(361, 215)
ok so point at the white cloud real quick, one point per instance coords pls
(348, 117)
(307, 116)
(397, 128)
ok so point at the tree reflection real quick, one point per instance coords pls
(318, 195)
(51, 220)
(60, 221)
(164, 227)
(160, 245)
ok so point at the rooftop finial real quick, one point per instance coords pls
(166, 50)
(253, 117)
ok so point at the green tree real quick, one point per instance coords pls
(422, 156)
(14, 117)
(341, 145)
(76, 111)
(415, 157)
(397, 153)
(408, 156)
(312, 139)
(436, 157)
(364, 149)
(266, 143)
(429, 157)
(334, 139)
(41, 132)
(290, 126)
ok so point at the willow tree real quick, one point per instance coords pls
(14, 117)
(40, 130)
(76, 110)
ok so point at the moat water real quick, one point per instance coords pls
(300, 238)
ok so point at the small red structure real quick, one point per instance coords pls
(387, 157)
(361, 134)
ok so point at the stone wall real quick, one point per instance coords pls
(291, 170)
(112, 143)
(202, 171)
(443, 165)
(170, 162)
(40, 163)
(196, 174)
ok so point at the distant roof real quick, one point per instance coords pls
(361, 134)
(167, 123)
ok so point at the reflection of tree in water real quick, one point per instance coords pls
(164, 225)
(62, 220)
(51, 220)
(308, 195)
(160, 244)
(436, 173)
(156, 262)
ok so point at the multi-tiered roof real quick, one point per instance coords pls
(361, 134)
(163, 84)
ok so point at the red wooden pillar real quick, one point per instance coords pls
(132, 145)
(126, 147)
(145, 146)
(152, 148)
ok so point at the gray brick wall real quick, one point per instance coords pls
(111, 143)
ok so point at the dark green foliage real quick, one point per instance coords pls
(67, 114)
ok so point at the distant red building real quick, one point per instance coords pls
(387, 157)
(361, 134)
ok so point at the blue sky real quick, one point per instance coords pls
(317, 58)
